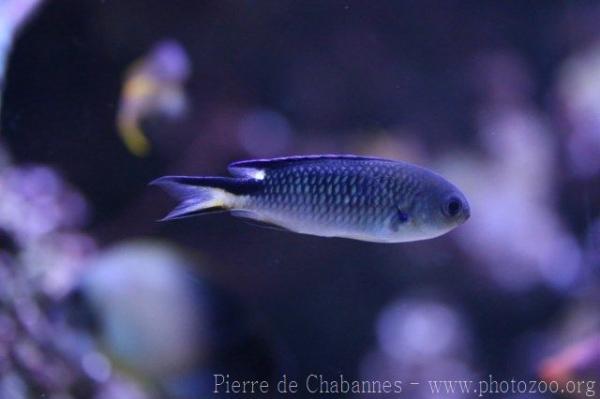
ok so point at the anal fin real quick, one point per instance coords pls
(253, 219)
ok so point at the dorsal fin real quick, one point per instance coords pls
(252, 168)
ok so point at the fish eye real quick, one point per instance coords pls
(453, 206)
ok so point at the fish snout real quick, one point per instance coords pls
(466, 213)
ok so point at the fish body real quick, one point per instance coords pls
(362, 198)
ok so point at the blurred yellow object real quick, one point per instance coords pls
(153, 86)
(134, 139)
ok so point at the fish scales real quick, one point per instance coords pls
(330, 194)
(343, 196)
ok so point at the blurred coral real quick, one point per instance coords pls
(516, 234)
(134, 290)
(420, 337)
(36, 201)
(578, 92)
(577, 361)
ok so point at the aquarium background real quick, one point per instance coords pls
(98, 300)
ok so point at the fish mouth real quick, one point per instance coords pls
(466, 214)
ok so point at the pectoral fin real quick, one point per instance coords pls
(398, 219)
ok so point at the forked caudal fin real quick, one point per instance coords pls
(201, 195)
